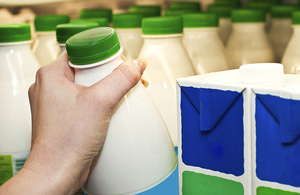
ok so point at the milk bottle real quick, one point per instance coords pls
(178, 12)
(65, 31)
(138, 152)
(102, 22)
(224, 20)
(291, 57)
(281, 29)
(203, 44)
(96, 13)
(248, 42)
(186, 5)
(45, 47)
(146, 10)
(17, 73)
(167, 60)
(129, 29)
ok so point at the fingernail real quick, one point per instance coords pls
(140, 63)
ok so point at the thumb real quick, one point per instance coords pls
(110, 90)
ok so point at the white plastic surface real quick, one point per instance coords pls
(138, 152)
(280, 33)
(260, 73)
(131, 41)
(248, 43)
(225, 29)
(291, 57)
(17, 72)
(167, 60)
(205, 49)
(45, 47)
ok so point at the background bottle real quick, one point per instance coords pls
(45, 47)
(167, 60)
(96, 13)
(138, 152)
(146, 10)
(291, 57)
(129, 29)
(17, 73)
(102, 22)
(65, 31)
(195, 5)
(203, 44)
(281, 28)
(248, 42)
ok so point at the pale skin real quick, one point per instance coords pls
(69, 125)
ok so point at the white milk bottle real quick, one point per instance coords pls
(65, 31)
(195, 5)
(96, 13)
(138, 152)
(248, 42)
(17, 73)
(45, 47)
(265, 6)
(146, 10)
(281, 28)
(129, 29)
(291, 57)
(167, 60)
(203, 44)
(102, 22)
(224, 20)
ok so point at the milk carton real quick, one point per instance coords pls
(238, 132)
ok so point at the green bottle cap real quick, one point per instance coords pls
(248, 16)
(186, 5)
(46, 23)
(223, 11)
(283, 11)
(178, 12)
(162, 25)
(200, 20)
(65, 31)
(14, 33)
(263, 5)
(273, 2)
(235, 3)
(296, 17)
(102, 22)
(92, 45)
(146, 10)
(127, 20)
(96, 13)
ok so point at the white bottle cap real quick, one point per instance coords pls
(260, 72)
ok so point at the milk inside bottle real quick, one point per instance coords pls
(203, 44)
(129, 29)
(248, 42)
(138, 152)
(17, 73)
(65, 31)
(167, 60)
(45, 47)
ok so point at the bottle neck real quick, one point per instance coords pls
(203, 31)
(161, 39)
(91, 75)
(249, 27)
(281, 23)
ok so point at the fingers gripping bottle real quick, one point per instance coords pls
(167, 60)
(248, 42)
(17, 72)
(65, 31)
(138, 152)
(203, 44)
(45, 47)
(291, 57)
(129, 29)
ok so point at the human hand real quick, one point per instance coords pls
(69, 125)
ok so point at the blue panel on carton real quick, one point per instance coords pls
(277, 161)
(222, 148)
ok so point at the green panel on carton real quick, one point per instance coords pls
(201, 184)
(270, 191)
(6, 168)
